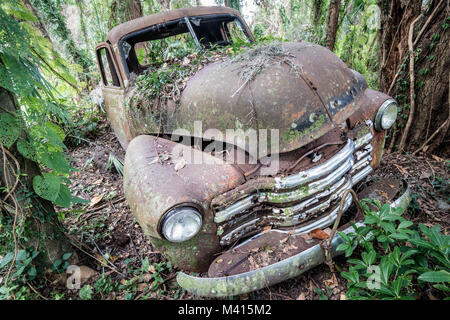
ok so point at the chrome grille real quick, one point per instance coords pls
(316, 194)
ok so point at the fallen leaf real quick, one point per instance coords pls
(95, 200)
(186, 61)
(141, 287)
(439, 159)
(180, 164)
(301, 296)
(425, 175)
(151, 269)
(401, 169)
(101, 259)
(332, 283)
(319, 234)
(219, 261)
(155, 160)
(342, 297)
(306, 236)
(266, 229)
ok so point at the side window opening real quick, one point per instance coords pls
(107, 69)
(234, 32)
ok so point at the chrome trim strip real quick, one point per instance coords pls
(312, 188)
(295, 219)
(324, 169)
(364, 152)
(361, 175)
(227, 238)
(361, 163)
(302, 205)
(284, 197)
(316, 172)
(363, 140)
(323, 222)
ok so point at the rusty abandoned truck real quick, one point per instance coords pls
(235, 226)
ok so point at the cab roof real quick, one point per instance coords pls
(131, 26)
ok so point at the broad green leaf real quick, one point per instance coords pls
(47, 186)
(435, 276)
(21, 255)
(404, 224)
(342, 247)
(67, 256)
(9, 129)
(442, 287)
(64, 198)
(6, 259)
(25, 149)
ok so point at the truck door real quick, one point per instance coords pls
(113, 90)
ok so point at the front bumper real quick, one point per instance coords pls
(273, 273)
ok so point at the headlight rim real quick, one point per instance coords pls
(172, 211)
(380, 113)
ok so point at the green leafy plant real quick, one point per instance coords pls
(395, 258)
(85, 293)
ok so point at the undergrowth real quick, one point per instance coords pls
(391, 258)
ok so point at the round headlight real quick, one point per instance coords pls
(386, 115)
(181, 224)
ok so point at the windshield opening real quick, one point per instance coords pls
(173, 40)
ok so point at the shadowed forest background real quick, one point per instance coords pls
(61, 195)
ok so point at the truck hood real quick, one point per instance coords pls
(302, 99)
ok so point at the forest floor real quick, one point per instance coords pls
(120, 262)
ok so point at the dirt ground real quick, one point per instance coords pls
(110, 241)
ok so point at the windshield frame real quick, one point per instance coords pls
(186, 19)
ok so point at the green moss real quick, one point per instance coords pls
(292, 135)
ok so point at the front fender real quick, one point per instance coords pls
(159, 175)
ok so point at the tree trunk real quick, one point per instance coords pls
(46, 233)
(333, 20)
(122, 11)
(51, 14)
(317, 6)
(431, 73)
(83, 24)
(38, 24)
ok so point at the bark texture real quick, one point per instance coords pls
(431, 37)
(333, 21)
(45, 230)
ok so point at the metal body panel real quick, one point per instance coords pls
(266, 276)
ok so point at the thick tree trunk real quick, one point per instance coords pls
(122, 11)
(333, 21)
(46, 232)
(431, 73)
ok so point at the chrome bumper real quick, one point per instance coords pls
(272, 274)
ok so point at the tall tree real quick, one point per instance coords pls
(317, 8)
(420, 85)
(333, 22)
(49, 11)
(29, 140)
(122, 11)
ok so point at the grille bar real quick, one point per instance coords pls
(331, 170)
(315, 193)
